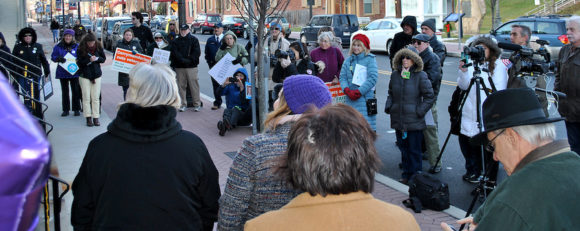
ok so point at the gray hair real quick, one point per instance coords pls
(536, 133)
(152, 85)
(574, 19)
(327, 35)
(525, 32)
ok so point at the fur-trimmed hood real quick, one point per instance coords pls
(397, 60)
(489, 43)
(24, 31)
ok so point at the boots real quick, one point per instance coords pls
(96, 122)
(89, 122)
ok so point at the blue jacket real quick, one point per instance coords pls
(366, 89)
(59, 51)
(211, 48)
(235, 97)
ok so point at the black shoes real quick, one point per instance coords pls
(471, 178)
(96, 122)
(64, 113)
(77, 113)
(89, 122)
(222, 127)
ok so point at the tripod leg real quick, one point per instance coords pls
(441, 152)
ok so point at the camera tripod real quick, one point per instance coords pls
(484, 184)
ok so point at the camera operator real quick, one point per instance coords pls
(520, 35)
(285, 66)
(238, 111)
(498, 72)
(276, 43)
(568, 82)
(433, 69)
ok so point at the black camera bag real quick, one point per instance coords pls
(427, 191)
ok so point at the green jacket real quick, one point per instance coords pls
(539, 195)
(235, 51)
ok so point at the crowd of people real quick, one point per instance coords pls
(314, 164)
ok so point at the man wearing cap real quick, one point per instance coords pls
(541, 190)
(403, 38)
(185, 52)
(142, 32)
(433, 69)
(275, 42)
(211, 47)
(428, 28)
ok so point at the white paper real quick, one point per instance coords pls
(429, 121)
(47, 87)
(360, 75)
(71, 64)
(160, 56)
(224, 69)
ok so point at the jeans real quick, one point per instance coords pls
(55, 35)
(410, 147)
(573, 130)
(29, 87)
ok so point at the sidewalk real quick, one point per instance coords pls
(71, 136)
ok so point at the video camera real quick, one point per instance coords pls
(284, 54)
(527, 65)
(476, 53)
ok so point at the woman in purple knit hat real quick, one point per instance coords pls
(331, 56)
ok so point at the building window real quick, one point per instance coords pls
(368, 6)
(209, 4)
(228, 4)
(202, 4)
(190, 3)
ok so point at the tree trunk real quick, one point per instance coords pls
(262, 75)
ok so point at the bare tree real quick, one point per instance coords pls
(495, 18)
(260, 10)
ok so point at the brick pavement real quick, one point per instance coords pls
(68, 155)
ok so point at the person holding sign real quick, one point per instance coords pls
(128, 43)
(91, 55)
(358, 77)
(229, 45)
(238, 110)
(409, 98)
(65, 54)
(160, 43)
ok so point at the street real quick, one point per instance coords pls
(453, 161)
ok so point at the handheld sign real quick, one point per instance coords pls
(125, 60)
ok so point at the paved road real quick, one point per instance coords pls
(453, 161)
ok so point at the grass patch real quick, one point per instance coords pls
(575, 10)
(509, 9)
(296, 29)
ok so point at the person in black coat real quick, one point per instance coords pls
(185, 52)
(28, 76)
(5, 57)
(428, 28)
(54, 27)
(403, 38)
(90, 57)
(211, 47)
(141, 32)
(80, 30)
(128, 43)
(146, 172)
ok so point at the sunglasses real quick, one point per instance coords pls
(276, 28)
(158, 37)
(489, 147)
(27, 35)
(406, 57)
(417, 41)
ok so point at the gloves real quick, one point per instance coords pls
(223, 46)
(320, 66)
(352, 94)
(60, 60)
(237, 60)
(285, 62)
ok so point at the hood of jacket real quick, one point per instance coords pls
(243, 71)
(24, 31)
(231, 33)
(145, 124)
(411, 21)
(398, 60)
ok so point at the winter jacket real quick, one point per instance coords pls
(401, 39)
(469, 113)
(54, 25)
(280, 73)
(332, 58)
(431, 66)
(185, 52)
(236, 51)
(234, 95)
(211, 48)
(91, 70)
(32, 53)
(80, 31)
(438, 48)
(133, 45)
(145, 36)
(409, 99)
(5, 57)
(567, 82)
(305, 66)
(367, 89)
(154, 45)
(252, 189)
(145, 173)
(59, 51)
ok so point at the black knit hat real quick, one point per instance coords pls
(430, 23)
(511, 108)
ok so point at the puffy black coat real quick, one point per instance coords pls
(133, 45)
(185, 52)
(280, 73)
(432, 68)
(401, 39)
(305, 66)
(32, 53)
(145, 36)
(146, 173)
(438, 48)
(409, 99)
(90, 70)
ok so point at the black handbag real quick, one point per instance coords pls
(428, 192)
(372, 106)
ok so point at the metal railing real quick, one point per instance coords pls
(56, 201)
(544, 9)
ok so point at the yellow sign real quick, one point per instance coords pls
(174, 5)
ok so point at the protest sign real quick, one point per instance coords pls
(224, 69)
(71, 64)
(125, 60)
(336, 92)
(160, 56)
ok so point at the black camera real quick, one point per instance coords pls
(283, 54)
(530, 64)
(476, 53)
(233, 79)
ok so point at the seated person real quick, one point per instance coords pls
(238, 111)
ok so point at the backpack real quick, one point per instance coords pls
(427, 191)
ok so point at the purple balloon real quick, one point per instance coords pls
(24, 162)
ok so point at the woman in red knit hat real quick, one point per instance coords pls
(358, 77)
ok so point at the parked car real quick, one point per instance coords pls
(107, 30)
(364, 20)
(343, 24)
(551, 28)
(380, 33)
(156, 22)
(87, 23)
(118, 30)
(97, 24)
(282, 21)
(234, 23)
(168, 19)
(205, 22)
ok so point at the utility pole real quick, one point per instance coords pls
(255, 113)
(497, 19)
(181, 12)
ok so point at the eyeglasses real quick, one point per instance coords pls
(417, 41)
(406, 57)
(489, 147)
